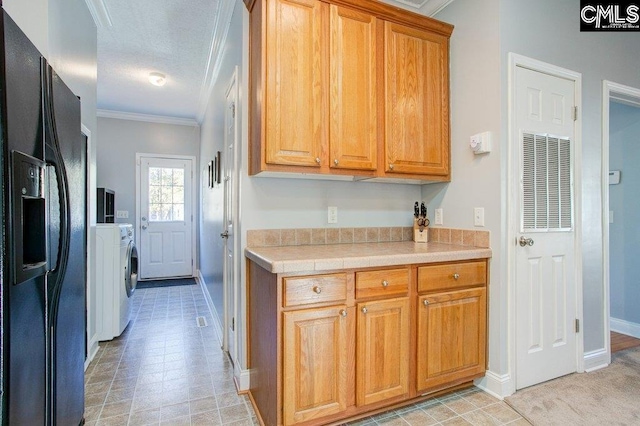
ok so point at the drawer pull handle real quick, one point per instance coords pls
(318, 160)
(456, 276)
(343, 313)
(364, 309)
(385, 283)
(425, 302)
(317, 290)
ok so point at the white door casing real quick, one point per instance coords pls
(546, 276)
(230, 216)
(630, 96)
(164, 223)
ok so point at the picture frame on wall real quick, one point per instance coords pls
(218, 174)
(210, 174)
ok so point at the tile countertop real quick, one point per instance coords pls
(284, 259)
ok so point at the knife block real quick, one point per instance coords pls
(420, 233)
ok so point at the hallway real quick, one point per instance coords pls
(164, 369)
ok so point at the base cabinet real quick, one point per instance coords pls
(382, 362)
(315, 363)
(451, 337)
(324, 348)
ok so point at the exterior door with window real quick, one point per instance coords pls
(545, 254)
(166, 218)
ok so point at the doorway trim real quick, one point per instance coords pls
(194, 212)
(630, 95)
(509, 245)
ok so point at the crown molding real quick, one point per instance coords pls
(216, 51)
(149, 118)
(100, 13)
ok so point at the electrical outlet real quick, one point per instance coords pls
(332, 215)
(478, 216)
(122, 214)
(438, 219)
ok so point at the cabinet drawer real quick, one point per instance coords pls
(382, 283)
(315, 289)
(452, 275)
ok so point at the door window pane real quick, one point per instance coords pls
(166, 194)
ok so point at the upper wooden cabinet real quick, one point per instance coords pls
(296, 101)
(348, 88)
(417, 101)
(353, 121)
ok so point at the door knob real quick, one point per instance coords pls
(144, 227)
(525, 241)
(224, 234)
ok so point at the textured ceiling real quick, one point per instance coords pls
(168, 36)
(174, 37)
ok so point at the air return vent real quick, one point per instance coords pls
(546, 183)
(201, 322)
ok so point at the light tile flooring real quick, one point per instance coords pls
(165, 370)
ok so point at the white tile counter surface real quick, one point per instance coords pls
(290, 259)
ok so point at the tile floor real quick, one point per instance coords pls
(165, 370)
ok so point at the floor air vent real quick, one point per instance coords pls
(201, 322)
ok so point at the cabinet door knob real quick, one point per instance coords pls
(425, 302)
(456, 276)
(335, 161)
(385, 283)
(391, 166)
(364, 310)
(318, 160)
(343, 313)
(317, 290)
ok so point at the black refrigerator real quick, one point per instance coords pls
(43, 239)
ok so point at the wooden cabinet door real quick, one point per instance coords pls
(451, 337)
(296, 73)
(382, 360)
(417, 101)
(353, 111)
(315, 380)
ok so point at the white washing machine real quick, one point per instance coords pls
(116, 278)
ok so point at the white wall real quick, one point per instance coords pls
(552, 34)
(33, 18)
(212, 141)
(476, 180)
(547, 30)
(624, 203)
(120, 140)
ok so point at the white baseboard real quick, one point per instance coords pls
(625, 327)
(497, 385)
(596, 360)
(212, 309)
(92, 351)
(241, 378)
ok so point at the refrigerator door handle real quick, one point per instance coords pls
(57, 183)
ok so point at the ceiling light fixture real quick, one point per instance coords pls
(157, 79)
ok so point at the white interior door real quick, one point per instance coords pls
(166, 217)
(545, 255)
(230, 218)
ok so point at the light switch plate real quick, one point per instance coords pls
(478, 216)
(122, 214)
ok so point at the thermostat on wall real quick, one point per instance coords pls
(480, 143)
(614, 177)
